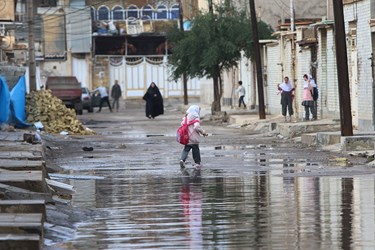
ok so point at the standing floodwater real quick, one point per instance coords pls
(263, 211)
(253, 192)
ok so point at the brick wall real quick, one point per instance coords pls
(274, 76)
(361, 14)
(332, 95)
(327, 69)
(287, 62)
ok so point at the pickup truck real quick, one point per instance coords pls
(67, 89)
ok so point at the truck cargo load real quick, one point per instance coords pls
(67, 89)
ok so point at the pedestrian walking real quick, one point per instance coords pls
(116, 94)
(103, 97)
(154, 101)
(286, 90)
(241, 93)
(308, 100)
(195, 132)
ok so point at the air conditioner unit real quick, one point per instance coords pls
(306, 34)
(134, 27)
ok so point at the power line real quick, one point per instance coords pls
(282, 8)
(287, 6)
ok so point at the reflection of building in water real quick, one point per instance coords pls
(262, 210)
(308, 216)
(310, 211)
(85, 195)
(363, 211)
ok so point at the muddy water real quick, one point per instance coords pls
(254, 191)
(203, 210)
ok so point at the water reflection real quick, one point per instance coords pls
(191, 200)
(347, 213)
(194, 210)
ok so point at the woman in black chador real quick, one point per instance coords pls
(154, 101)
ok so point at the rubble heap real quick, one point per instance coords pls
(42, 106)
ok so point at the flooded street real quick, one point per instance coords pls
(255, 191)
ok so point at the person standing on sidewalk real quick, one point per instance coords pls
(308, 100)
(116, 94)
(241, 92)
(103, 97)
(195, 131)
(286, 89)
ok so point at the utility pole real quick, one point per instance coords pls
(258, 62)
(31, 49)
(373, 87)
(292, 15)
(210, 7)
(342, 70)
(184, 77)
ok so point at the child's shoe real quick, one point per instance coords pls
(182, 164)
(198, 166)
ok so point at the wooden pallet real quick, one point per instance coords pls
(32, 180)
(23, 206)
(20, 241)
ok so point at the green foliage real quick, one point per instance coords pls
(265, 30)
(213, 44)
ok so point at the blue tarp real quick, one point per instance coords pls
(4, 101)
(17, 115)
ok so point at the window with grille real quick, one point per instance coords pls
(118, 13)
(103, 13)
(132, 12)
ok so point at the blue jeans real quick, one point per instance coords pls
(241, 101)
(196, 152)
(104, 100)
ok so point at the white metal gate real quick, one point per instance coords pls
(135, 74)
(79, 70)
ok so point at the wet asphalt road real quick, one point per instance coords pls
(254, 190)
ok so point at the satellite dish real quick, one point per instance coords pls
(7, 42)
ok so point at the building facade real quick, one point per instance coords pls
(100, 42)
(299, 52)
(125, 41)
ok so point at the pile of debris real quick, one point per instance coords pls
(43, 107)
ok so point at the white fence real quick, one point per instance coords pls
(135, 73)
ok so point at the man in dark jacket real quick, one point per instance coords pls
(115, 94)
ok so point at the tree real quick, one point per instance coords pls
(213, 44)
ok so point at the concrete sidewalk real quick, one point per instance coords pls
(25, 191)
(324, 132)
